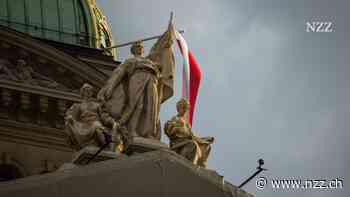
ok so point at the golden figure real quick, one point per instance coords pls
(182, 139)
(85, 122)
(136, 89)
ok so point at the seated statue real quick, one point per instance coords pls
(25, 73)
(86, 124)
(182, 139)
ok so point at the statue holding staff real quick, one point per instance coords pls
(137, 88)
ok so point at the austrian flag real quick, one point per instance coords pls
(191, 74)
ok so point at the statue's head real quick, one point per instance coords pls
(21, 63)
(86, 91)
(182, 106)
(137, 48)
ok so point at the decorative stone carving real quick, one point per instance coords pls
(182, 139)
(5, 72)
(22, 72)
(136, 89)
(25, 73)
(86, 124)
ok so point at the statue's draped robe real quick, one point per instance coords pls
(185, 143)
(86, 125)
(139, 86)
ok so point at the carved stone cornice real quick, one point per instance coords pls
(107, 65)
(30, 134)
(84, 71)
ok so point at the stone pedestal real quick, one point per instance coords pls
(141, 145)
(84, 155)
(156, 173)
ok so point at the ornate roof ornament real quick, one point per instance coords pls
(103, 30)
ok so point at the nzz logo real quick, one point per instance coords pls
(319, 27)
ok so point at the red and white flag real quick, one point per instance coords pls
(191, 74)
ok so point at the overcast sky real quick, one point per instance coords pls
(270, 89)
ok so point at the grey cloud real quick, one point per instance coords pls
(269, 88)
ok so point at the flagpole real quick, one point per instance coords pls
(142, 40)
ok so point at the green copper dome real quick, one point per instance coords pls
(77, 22)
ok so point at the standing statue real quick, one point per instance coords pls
(182, 139)
(86, 124)
(136, 89)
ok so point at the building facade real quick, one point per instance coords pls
(48, 49)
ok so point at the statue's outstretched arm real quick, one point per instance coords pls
(117, 76)
(105, 117)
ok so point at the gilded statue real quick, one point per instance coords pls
(86, 124)
(182, 139)
(137, 88)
